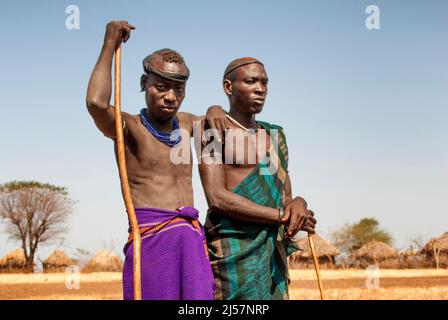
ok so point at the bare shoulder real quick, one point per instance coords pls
(186, 120)
(186, 117)
(130, 119)
(129, 122)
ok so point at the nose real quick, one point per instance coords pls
(260, 89)
(170, 97)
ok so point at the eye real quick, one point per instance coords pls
(161, 87)
(249, 81)
(180, 89)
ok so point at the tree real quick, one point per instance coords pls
(34, 213)
(353, 236)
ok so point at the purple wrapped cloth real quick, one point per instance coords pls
(174, 258)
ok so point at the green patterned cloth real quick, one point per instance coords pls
(249, 261)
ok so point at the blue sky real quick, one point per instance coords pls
(365, 111)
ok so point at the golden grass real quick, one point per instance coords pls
(347, 286)
(296, 274)
(400, 292)
(396, 293)
(112, 296)
(310, 274)
(18, 278)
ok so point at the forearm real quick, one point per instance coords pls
(237, 207)
(100, 85)
(228, 203)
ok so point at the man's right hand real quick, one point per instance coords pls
(297, 217)
(216, 119)
(118, 31)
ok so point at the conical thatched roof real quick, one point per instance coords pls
(13, 259)
(323, 248)
(57, 259)
(440, 243)
(103, 261)
(375, 250)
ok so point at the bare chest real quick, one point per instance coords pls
(245, 150)
(147, 155)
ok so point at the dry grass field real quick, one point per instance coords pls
(421, 284)
(338, 284)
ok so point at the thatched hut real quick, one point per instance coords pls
(375, 252)
(58, 261)
(104, 261)
(436, 251)
(13, 261)
(325, 253)
(435, 245)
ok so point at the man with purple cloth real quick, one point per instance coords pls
(174, 258)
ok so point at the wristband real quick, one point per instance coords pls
(281, 213)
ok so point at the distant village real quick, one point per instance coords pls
(434, 254)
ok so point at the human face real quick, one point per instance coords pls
(248, 88)
(163, 97)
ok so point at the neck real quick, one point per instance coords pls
(160, 125)
(246, 120)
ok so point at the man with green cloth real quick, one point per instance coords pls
(252, 216)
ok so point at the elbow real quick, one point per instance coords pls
(223, 201)
(216, 203)
(94, 103)
(91, 103)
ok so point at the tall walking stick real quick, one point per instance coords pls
(136, 244)
(316, 266)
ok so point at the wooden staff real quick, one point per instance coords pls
(316, 266)
(136, 244)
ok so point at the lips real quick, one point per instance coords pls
(258, 100)
(167, 109)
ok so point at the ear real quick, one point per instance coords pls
(143, 79)
(227, 85)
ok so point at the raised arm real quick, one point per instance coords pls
(229, 204)
(99, 90)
